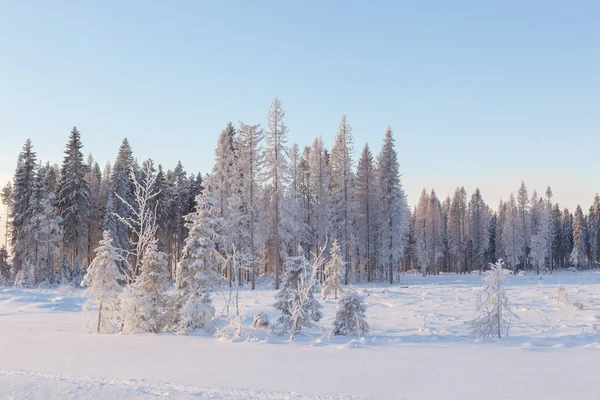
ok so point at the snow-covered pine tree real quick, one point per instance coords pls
(335, 272)
(493, 315)
(296, 302)
(73, 198)
(394, 214)
(366, 193)
(350, 316)
(145, 301)
(198, 270)
(343, 206)
(275, 174)
(102, 281)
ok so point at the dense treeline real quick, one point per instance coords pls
(273, 201)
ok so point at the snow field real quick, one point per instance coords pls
(418, 348)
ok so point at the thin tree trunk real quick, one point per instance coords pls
(99, 318)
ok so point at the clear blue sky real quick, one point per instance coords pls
(480, 93)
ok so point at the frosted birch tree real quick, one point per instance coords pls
(493, 315)
(140, 218)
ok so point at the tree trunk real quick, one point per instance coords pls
(99, 318)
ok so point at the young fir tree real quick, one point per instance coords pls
(145, 301)
(296, 302)
(335, 271)
(197, 271)
(493, 315)
(350, 316)
(73, 198)
(102, 281)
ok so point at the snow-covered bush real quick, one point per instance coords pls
(196, 313)
(102, 281)
(335, 271)
(296, 302)
(144, 301)
(561, 296)
(21, 280)
(261, 321)
(493, 316)
(350, 316)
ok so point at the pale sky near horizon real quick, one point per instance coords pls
(480, 94)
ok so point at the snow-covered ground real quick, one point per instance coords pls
(418, 348)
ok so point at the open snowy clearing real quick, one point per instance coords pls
(418, 348)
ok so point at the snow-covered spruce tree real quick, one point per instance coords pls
(335, 271)
(394, 214)
(144, 302)
(120, 187)
(366, 193)
(73, 197)
(20, 201)
(296, 302)
(493, 315)
(350, 316)
(102, 281)
(580, 238)
(478, 230)
(197, 272)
